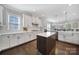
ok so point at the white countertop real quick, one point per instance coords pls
(46, 34)
(14, 32)
(68, 31)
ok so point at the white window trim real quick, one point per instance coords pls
(18, 22)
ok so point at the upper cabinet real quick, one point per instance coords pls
(36, 22)
(1, 15)
(31, 22)
(27, 22)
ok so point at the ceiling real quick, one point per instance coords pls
(53, 11)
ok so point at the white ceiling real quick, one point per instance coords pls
(50, 10)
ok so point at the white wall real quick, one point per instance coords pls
(6, 12)
(26, 19)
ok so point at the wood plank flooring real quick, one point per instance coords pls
(31, 49)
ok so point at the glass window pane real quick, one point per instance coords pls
(14, 23)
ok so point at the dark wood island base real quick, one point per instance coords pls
(45, 44)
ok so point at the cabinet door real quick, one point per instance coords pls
(5, 41)
(30, 36)
(26, 37)
(0, 42)
(13, 40)
(23, 38)
(27, 21)
(20, 38)
(33, 35)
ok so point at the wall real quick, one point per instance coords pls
(26, 19)
(7, 11)
(30, 20)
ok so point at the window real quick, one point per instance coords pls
(13, 22)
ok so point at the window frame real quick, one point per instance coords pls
(19, 19)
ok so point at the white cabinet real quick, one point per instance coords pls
(13, 40)
(0, 42)
(1, 15)
(33, 35)
(5, 42)
(26, 37)
(20, 38)
(30, 36)
(27, 21)
(23, 37)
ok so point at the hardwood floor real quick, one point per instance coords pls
(31, 49)
(63, 48)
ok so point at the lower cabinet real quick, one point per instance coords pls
(26, 37)
(20, 38)
(33, 35)
(4, 42)
(23, 38)
(1, 42)
(30, 36)
(13, 40)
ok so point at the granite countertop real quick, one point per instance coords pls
(46, 34)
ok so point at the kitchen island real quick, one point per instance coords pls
(46, 42)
